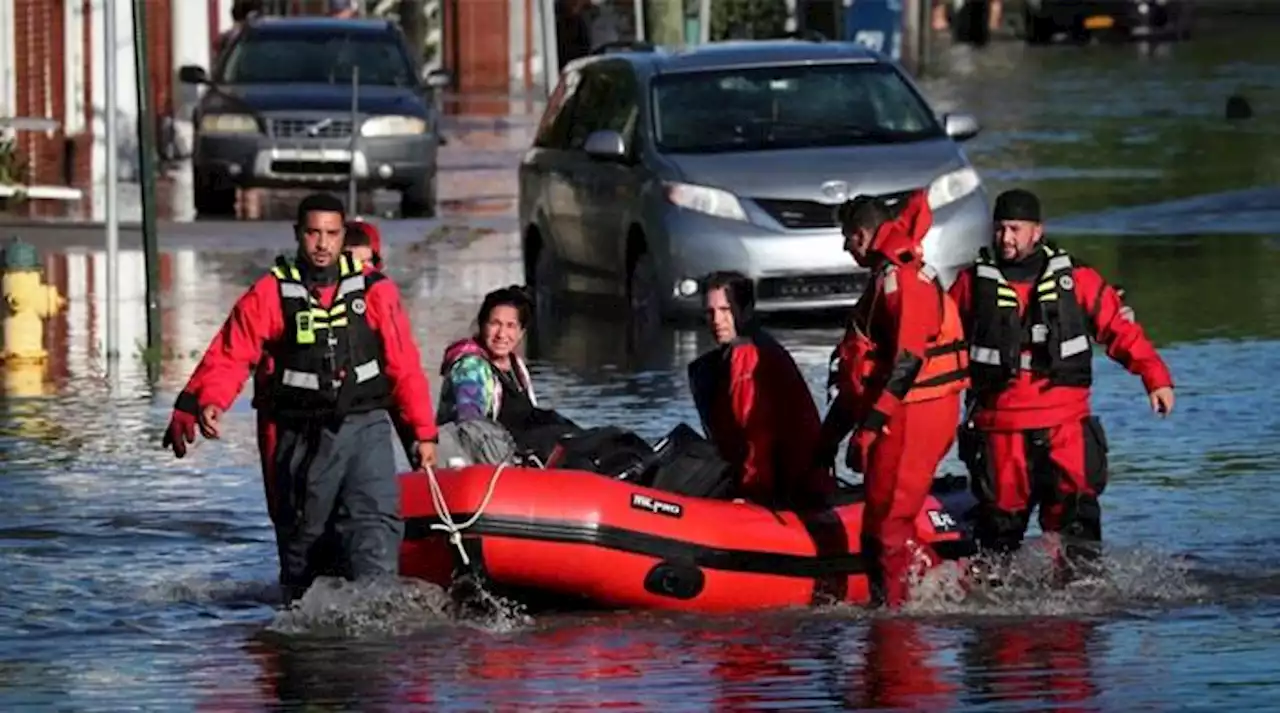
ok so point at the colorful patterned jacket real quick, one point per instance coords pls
(471, 388)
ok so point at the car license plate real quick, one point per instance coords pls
(1098, 22)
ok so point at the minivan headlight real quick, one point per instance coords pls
(951, 187)
(705, 199)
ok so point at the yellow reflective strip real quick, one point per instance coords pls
(338, 309)
(339, 322)
(1006, 303)
(278, 272)
(293, 270)
(1051, 297)
(1046, 286)
(357, 265)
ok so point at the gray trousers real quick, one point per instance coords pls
(341, 480)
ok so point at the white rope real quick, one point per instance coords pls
(446, 523)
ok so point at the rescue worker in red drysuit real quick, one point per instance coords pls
(755, 405)
(1030, 312)
(363, 242)
(341, 353)
(895, 381)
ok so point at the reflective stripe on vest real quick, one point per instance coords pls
(1051, 321)
(946, 360)
(311, 382)
(307, 323)
(329, 360)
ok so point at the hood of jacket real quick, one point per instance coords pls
(459, 349)
(899, 241)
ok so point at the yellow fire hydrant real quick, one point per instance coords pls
(28, 302)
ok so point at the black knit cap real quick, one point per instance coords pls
(1017, 204)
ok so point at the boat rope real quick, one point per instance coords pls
(446, 523)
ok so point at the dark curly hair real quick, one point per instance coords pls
(862, 212)
(515, 296)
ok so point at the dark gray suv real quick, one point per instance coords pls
(278, 113)
(652, 168)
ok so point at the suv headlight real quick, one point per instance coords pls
(393, 126)
(705, 199)
(951, 187)
(228, 124)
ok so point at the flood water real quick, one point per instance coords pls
(135, 581)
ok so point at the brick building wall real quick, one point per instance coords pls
(41, 55)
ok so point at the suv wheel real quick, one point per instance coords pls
(418, 199)
(1037, 30)
(213, 197)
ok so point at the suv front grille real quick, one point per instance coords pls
(808, 215)
(321, 128)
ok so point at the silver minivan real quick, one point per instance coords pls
(653, 167)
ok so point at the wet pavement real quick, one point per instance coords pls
(138, 581)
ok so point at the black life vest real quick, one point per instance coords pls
(1051, 338)
(329, 363)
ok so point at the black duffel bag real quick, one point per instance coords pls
(689, 464)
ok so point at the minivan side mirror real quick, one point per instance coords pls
(961, 127)
(606, 145)
(437, 78)
(192, 74)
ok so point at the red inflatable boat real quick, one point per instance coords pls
(573, 536)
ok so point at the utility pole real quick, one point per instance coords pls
(355, 133)
(112, 216)
(147, 177)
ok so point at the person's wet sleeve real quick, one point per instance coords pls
(409, 387)
(1117, 329)
(255, 320)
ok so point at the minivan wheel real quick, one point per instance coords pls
(642, 290)
(542, 277)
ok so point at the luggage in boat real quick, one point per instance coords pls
(539, 535)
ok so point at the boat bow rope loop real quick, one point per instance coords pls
(446, 523)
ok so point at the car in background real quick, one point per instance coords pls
(652, 168)
(278, 113)
(1039, 21)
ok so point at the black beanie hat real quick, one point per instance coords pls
(1017, 204)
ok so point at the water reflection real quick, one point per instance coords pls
(687, 663)
(1046, 662)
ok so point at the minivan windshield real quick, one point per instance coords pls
(766, 108)
(296, 58)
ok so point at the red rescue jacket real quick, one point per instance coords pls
(905, 341)
(1030, 401)
(757, 409)
(257, 319)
